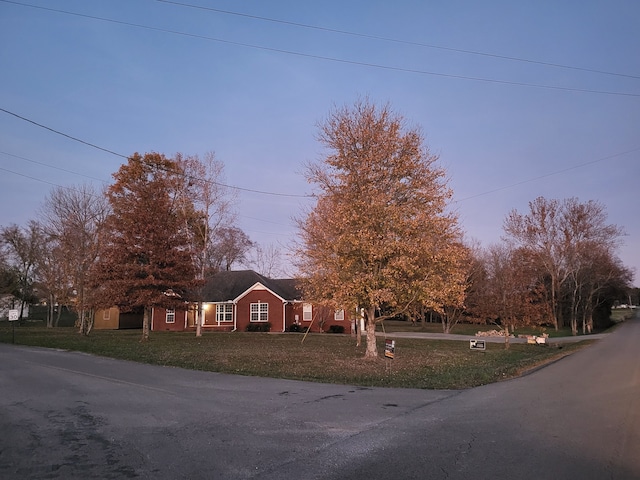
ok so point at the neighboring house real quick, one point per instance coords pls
(113, 319)
(245, 300)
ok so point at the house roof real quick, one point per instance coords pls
(229, 285)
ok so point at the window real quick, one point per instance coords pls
(307, 312)
(259, 312)
(106, 315)
(224, 312)
(171, 315)
(339, 315)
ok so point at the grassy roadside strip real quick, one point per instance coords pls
(327, 358)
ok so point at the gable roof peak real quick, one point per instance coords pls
(228, 285)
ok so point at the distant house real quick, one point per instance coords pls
(113, 319)
(245, 300)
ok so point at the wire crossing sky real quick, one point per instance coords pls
(518, 100)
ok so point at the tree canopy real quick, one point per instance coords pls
(145, 259)
(575, 248)
(380, 234)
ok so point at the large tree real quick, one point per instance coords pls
(73, 220)
(563, 236)
(211, 213)
(267, 261)
(506, 290)
(379, 238)
(230, 246)
(145, 259)
(22, 249)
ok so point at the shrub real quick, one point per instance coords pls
(336, 329)
(259, 327)
(296, 327)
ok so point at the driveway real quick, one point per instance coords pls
(66, 415)
(496, 339)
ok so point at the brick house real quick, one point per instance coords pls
(245, 300)
(113, 319)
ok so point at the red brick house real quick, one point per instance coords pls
(245, 300)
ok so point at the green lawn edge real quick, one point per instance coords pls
(326, 358)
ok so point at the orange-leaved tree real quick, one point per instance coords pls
(379, 238)
(145, 257)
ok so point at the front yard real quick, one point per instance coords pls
(326, 358)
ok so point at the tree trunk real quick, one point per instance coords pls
(199, 320)
(372, 347)
(89, 319)
(83, 326)
(146, 324)
(50, 311)
(56, 322)
(507, 345)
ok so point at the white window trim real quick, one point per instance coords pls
(261, 310)
(307, 312)
(222, 311)
(338, 316)
(170, 315)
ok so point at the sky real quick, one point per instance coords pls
(519, 99)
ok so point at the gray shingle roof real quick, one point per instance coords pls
(229, 285)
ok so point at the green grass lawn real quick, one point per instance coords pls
(326, 358)
(622, 314)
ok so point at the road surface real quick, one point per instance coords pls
(66, 415)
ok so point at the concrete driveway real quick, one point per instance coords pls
(496, 339)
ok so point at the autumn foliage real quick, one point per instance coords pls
(379, 238)
(145, 259)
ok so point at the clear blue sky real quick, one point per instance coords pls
(146, 75)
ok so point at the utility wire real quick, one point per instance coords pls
(32, 178)
(550, 174)
(51, 166)
(399, 41)
(487, 192)
(63, 134)
(75, 139)
(73, 189)
(331, 59)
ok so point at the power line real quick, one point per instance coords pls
(332, 59)
(34, 178)
(51, 166)
(73, 189)
(547, 175)
(557, 172)
(399, 41)
(63, 134)
(249, 190)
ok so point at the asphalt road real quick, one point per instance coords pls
(67, 415)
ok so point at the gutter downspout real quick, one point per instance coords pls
(186, 315)
(284, 316)
(235, 317)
